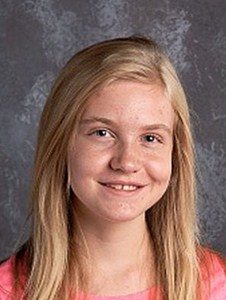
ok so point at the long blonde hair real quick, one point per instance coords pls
(57, 256)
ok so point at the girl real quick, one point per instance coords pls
(113, 194)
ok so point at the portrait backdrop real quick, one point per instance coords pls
(37, 37)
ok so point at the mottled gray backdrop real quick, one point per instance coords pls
(38, 37)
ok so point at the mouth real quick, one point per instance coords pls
(121, 189)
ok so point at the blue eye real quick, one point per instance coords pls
(100, 132)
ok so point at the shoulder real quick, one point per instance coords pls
(6, 276)
(212, 261)
(213, 273)
(13, 277)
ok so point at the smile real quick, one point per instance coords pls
(122, 187)
(121, 190)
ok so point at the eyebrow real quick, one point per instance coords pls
(112, 123)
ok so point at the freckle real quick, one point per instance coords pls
(161, 111)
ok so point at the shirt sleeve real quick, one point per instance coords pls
(6, 279)
(214, 276)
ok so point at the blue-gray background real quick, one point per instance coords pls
(38, 37)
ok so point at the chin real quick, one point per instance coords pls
(120, 217)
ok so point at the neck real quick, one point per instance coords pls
(117, 246)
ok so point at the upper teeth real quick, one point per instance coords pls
(123, 187)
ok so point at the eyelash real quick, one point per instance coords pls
(156, 137)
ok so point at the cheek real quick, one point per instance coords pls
(160, 169)
(86, 163)
(79, 167)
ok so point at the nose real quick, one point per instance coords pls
(126, 159)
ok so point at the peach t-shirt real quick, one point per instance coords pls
(216, 276)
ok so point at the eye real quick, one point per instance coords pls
(101, 133)
(152, 138)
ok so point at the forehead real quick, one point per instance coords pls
(130, 102)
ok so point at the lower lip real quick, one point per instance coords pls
(121, 192)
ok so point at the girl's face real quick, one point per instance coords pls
(120, 162)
